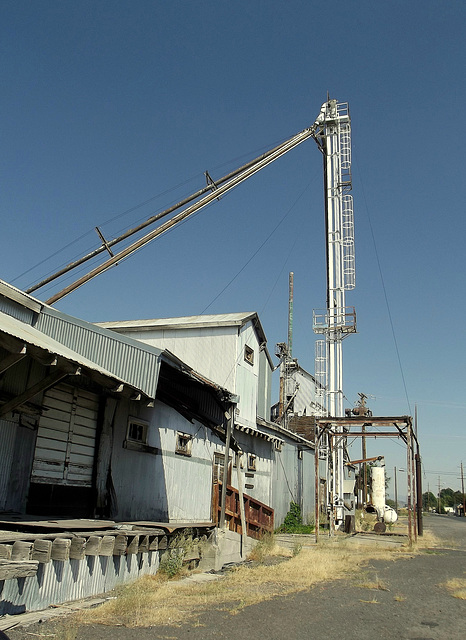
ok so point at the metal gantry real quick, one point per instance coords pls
(329, 429)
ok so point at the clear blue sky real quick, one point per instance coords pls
(108, 104)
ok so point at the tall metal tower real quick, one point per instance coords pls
(335, 323)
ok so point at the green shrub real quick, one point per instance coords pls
(293, 522)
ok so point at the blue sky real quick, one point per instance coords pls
(109, 104)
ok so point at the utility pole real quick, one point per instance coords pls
(438, 501)
(462, 490)
(396, 493)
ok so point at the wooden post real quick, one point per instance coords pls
(316, 483)
(244, 531)
(229, 417)
(420, 524)
(408, 470)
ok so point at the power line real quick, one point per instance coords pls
(384, 291)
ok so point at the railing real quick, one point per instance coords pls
(258, 516)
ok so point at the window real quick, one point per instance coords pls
(183, 443)
(249, 354)
(136, 437)
(219, 461)
(137, 431)
(251, 462)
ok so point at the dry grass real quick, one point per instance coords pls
(399, 598)
(456, 587)
(375, 585)
(156, 600)
(153, 600)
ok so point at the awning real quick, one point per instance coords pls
(278, 442)
(25, 333)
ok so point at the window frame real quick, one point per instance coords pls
(183, 449)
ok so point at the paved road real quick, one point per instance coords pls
(337, 610)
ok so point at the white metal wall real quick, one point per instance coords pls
(163, 485)
(210, 351)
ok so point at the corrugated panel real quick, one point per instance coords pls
(15, 310)
(126, 359)
(58, 582)
(7, 446)
(66, 437)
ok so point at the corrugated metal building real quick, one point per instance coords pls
(97, 423)
(232, 350)
(93, 423)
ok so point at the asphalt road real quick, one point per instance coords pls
(415, 606)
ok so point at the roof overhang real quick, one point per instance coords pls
(15, 335)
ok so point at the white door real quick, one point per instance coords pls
(66, 437)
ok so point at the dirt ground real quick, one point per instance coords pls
(412, 605)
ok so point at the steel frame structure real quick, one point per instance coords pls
(337, 321)
(334, 430)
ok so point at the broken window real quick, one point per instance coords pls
(251, 462)
(219, 461)
(249, 354)
(183, 443)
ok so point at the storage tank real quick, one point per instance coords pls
(378, 490)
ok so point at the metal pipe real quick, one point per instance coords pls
(222, 186)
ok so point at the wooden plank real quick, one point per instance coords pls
(5, 551)
(133, 546)
(163, 542)
(81, 451)
(107, 545)
(46, 444)
(143, 544)
(121, 542)
(11, 359)
(153, 543)
(21, 569)
(21, 550)
(93, 546)
(77, 548)
(52, 434)
(32, 391)
(42, 551)
(61, 549)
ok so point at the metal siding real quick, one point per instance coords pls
(288, 485)
(247, 377)
(7, 446)
(209, 351)
(165, 486)
(58, 581)
(264, 392)
(128, 362)
(15, 310)
(262, 479)
(306, 397)
(188, 479)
